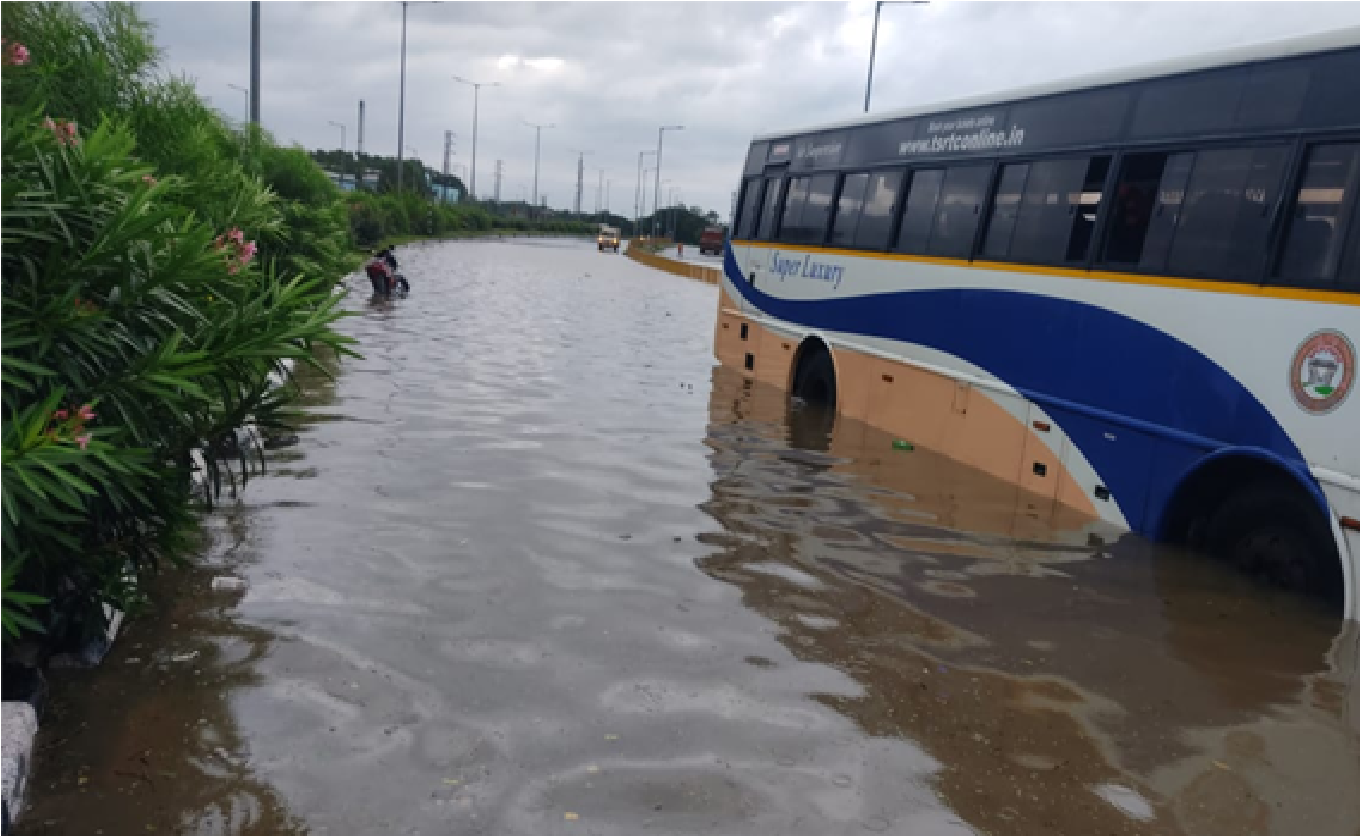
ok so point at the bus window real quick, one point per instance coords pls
(768, 213)
(1147, 198)
(875, 224)
(1087, 207)
(794, 201)
(1323, 208)
(750, 210)
(914, 233)
(1005, 209)
(1224, 223)
(817, 213)
(848, 209)
(959, 210)
(1053, 219)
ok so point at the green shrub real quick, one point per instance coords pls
(151, 281)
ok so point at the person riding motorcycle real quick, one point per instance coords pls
(379, 274)
(398, 280)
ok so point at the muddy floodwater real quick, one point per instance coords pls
(535, 566)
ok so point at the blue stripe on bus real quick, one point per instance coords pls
(1096, 372)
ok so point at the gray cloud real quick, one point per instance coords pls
(725, 71)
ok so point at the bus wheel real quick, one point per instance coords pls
(814, 382)
(1278, 534)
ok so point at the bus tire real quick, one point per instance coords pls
(1277, 532)
(814, 382)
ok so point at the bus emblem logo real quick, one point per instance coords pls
(1322, 372)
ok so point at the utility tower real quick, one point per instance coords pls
(500, 170)
(580, 176)
(361, 126)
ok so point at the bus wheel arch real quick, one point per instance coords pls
(1258, 514)
(812, 376)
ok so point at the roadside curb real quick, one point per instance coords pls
(20, 729)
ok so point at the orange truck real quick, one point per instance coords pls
(711, 240)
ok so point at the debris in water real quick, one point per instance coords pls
(570, 816)
(228, 582)
(899, 444)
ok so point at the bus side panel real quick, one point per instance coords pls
(1127, 458)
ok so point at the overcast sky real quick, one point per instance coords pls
(608, 74)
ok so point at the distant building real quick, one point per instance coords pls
(446, 194)
(345, 180)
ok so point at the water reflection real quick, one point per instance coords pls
(150, 741)
(1069, 681)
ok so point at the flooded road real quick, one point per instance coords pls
(535, 567)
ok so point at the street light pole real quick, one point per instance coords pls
(538, 136)
(401, 101)
(254, 94)
(873, 43)
(246, 91)
(341, 126)
(645, 172)
(639, 203)
(658, 212)
(656, 197)
(476, 90)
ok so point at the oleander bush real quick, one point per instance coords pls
(157, 267)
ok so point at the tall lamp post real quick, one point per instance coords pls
(656, 196)
(254, 95)
(639, 199)
(476, 89)
(873, 43)
(645, 172)
(675, 213)
(401, 100)
(658, 212)
(538, 136)
(341, 126)
(246, 91)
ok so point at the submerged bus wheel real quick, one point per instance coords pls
(1276, 533)
(812, 405)
(814, 378)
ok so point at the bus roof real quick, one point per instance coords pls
(1280, 48)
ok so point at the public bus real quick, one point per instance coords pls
(1135, 294)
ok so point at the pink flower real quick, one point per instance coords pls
(83, 440)
(236, 235)
(61, 414)
(64, 131)
(17, 55)
(85, 412)
(248, 251)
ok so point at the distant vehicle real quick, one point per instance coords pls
(608, 239)
(1135, 295)
(711, 240)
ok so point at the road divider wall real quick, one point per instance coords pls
(698, 272)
